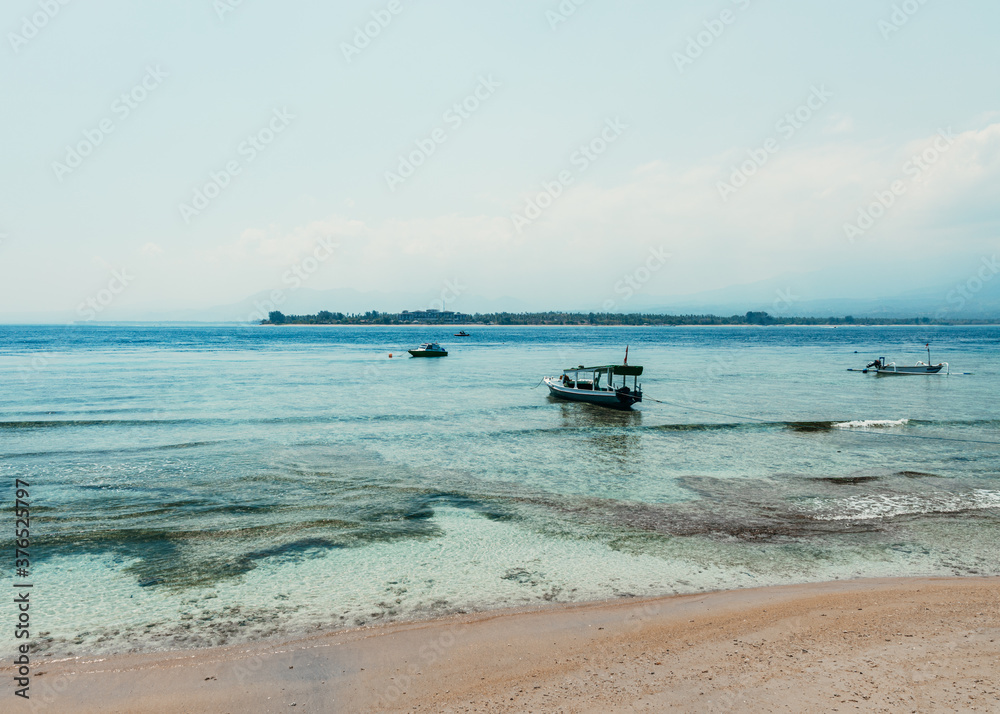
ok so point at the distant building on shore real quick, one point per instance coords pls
(433, 316)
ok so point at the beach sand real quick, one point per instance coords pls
(887, 645)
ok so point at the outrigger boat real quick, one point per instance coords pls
(588, 387)
(880, 366)
(429, 349)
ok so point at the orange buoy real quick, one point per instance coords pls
(390, 355)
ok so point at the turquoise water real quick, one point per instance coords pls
(201, 485)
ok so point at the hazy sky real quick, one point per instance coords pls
(190, 153)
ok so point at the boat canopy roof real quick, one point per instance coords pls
(627, 370)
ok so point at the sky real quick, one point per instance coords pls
(567, 155)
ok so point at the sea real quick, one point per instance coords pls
(202, 485)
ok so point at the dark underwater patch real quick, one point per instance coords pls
(810, 426)
(847, 480)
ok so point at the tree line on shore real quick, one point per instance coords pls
(372, 317)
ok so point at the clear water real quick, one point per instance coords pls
(200, 485)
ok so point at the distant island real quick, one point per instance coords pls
(445, 317)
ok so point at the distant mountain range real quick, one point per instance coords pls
(789, 296)
(974, 296)
(306, 301)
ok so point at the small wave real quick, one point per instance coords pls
(184, 445)
(108, 450)
(955, 422)
(64, 423)
(709, 426)
(808, 426)
(801, 426)
(878, 506)
(194, 421)
(871, 424)
(856, 479)
(846, 480)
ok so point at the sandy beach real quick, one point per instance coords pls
(885, 645)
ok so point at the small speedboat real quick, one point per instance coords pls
(462, 333)
(429, 349)
(583, 384)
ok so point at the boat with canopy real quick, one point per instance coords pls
(597, 385)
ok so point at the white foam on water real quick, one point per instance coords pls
(871, 424)
(876, 506)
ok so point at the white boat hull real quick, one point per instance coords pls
(916, 369)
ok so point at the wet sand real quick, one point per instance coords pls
(886, 645)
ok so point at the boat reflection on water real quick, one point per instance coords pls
(613, 433)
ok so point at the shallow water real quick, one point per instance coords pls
(195, 485)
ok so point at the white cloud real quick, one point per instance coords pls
(272, 247)
(788, 217)
(839, 124)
